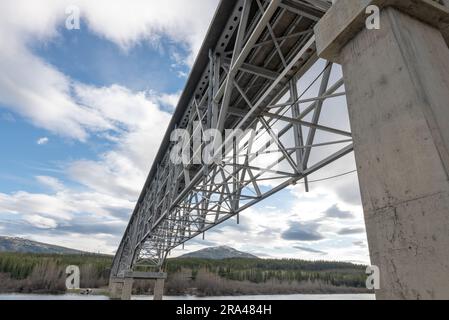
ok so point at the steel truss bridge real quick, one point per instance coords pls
(257, 69)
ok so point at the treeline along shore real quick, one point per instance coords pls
(45, 274)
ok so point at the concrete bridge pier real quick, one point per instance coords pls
(127, 288)
(159, 289)
(397, 84)
(115, 289)
(121, 287)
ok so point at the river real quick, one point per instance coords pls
(261, 297)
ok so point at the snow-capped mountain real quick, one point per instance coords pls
(217, 253)
(8, 244)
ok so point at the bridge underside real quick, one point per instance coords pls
(257, 72)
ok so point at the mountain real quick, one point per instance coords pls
(19, 245)
(218, 253)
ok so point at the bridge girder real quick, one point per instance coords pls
(253, 74)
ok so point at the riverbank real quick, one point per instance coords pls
(14, 297)
(45, 274)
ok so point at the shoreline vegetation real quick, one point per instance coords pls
(45, 274)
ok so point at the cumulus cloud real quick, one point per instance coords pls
(141, 125)
(351, 230)
(41, 222)
(110, 184)
(127, 23)
(133, 122)
(266, 229)
(124, 22)
(115, 228)
(169, 100)
(30, 204)
(245, 224)
(43, 94)
(336, 212)
(119, 173)
(302, 232)
(49, 233)
(50, 182)
(66, 213)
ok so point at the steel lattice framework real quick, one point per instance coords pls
(246, 76)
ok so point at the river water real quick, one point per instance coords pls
(261, 297)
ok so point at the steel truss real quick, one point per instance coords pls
(250, 84)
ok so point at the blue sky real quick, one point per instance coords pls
(93, 60)
(82, 114)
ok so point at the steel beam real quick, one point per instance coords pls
(264, 50)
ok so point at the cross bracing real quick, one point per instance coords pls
(257, 73)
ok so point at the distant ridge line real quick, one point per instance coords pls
(218, 253)
(20, 245)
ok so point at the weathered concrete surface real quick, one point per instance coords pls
(397, 84)
(445, 32)
(127, 288)
(159, 289)
(145, 275)
(346, 18)
(121, 288)
(445, 28)
(115, 289)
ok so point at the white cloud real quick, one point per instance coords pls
(109, 184)
(124, 22)
(132, 121)
(50, 182)
(42, 94)
(42, 204)
(42, 141)
(128, 22)
(170, 100)
(67, 214)
(41, 222)
(182, 74)
(100, 243)
(262, 228)
(122, 170)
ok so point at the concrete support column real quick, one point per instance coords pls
(397, 84)
(445, 29)
(127, 288)
(159, 289)
(115, 289)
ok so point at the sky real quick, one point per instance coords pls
(82, 115)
